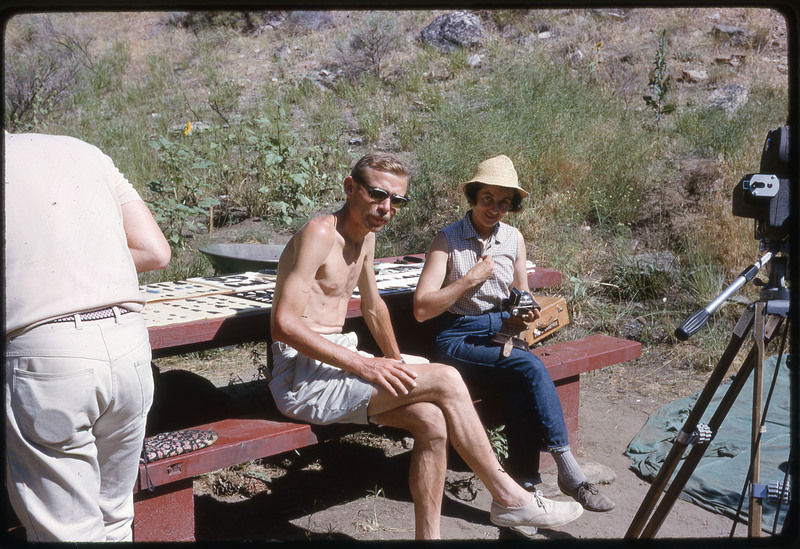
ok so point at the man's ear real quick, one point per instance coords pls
(349, 186)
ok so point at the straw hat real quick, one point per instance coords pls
(499, 171)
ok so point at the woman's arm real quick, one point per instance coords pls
(521, 277)
(430, 299)
(520, 269)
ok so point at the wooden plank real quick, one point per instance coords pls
(240, 440)
(571, 358)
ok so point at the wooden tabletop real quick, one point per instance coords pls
(253, 325)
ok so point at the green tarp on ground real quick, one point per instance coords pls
(717, 481)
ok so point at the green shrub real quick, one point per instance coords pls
(372, 41)
(180, 199)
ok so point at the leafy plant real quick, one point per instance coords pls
(499, 442)
(180, 197)
(292, 174)
(660, 81)
(374, 494)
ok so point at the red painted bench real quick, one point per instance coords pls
(167, 513)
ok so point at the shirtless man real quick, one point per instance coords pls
(320, 377)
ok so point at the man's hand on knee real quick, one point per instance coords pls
(392, 375)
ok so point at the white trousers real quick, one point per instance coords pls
(77, 397)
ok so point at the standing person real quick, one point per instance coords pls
(320, 377)
(470, 268)
(77, 374)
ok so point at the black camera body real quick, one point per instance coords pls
(518, 303)
(765, 196)
(512, 332)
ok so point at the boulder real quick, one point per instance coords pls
(736, 35)
(729, 98)
(310, 20)
(453, 30)
(693, 75)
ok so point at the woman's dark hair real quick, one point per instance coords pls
(471, 191)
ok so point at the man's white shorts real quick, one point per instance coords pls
(314, 392)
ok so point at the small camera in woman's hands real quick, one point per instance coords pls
(518, 303)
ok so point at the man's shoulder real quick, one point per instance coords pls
(44, 139)
(321, 226)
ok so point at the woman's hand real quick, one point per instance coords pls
(530, 315)
(431, 298)
(482, 271)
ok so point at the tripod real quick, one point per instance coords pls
(764, 318)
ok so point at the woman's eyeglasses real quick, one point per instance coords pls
(379, 195)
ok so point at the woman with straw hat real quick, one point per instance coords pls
(470, 268)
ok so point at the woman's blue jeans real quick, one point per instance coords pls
(532, 410)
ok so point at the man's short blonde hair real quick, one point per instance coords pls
(380, 161)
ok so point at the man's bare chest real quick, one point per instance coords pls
(338, 279)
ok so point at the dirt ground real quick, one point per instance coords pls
(355, 487)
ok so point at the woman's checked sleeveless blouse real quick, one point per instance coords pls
(465, 247)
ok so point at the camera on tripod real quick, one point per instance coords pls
(764, 196)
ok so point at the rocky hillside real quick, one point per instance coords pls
(144, 75)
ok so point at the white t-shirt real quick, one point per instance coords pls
(65, 248)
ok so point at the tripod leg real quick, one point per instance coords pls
(678, 447)
(696, 454)
(754, 516)
(694, 457)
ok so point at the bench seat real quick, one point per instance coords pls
(167, 513)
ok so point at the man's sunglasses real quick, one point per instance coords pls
(379, 195)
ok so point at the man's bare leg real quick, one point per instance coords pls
(442, 385)
(426, 423)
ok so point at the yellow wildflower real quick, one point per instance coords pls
(188, 129)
